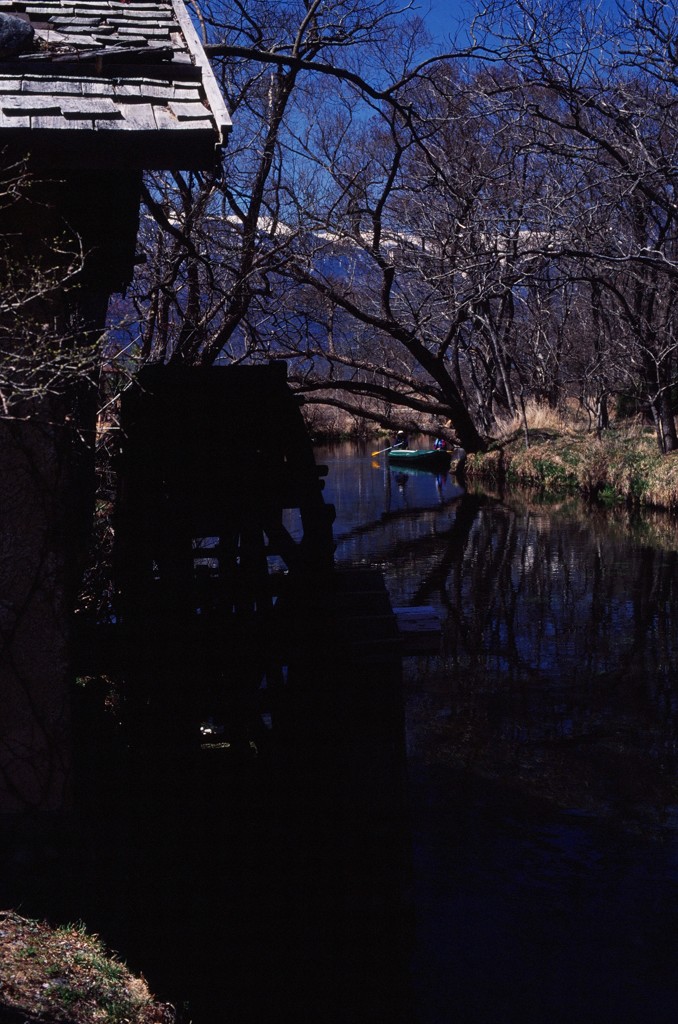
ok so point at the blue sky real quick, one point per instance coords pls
(443, 17)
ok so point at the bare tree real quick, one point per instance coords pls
(445, 236)
(317, 139)
(38, 325)
(610, 110)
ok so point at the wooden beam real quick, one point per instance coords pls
(212, 91)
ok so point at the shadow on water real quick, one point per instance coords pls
(528, 914)
(531, 876)
(245, 885)
(242, 901)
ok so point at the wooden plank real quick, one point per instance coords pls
(22, 106)
(36, 83)
(77, 41)
(212, 91)
(155, 62)
(142, 32)
(137, 116)
(186, 89)
(48, 35)
(420, 630)
(166, 121)
(188, 110)
(15, 121)
(89, 107)
(52, 87)
(124, 90)
(131, 37)
(73, 21)
(80, 125)
(36, 11)
(139, 20)
(72, 26)
(47, 121)
(418, 619)
(128, 60)
(161, 92)
(99, 87)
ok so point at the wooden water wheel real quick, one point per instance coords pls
(223, 543)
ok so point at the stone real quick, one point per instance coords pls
(16, 36)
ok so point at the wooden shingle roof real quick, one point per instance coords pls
(110, 83)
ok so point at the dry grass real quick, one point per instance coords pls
(539, 417)
(624, 465)
(53, 975)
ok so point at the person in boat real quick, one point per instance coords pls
(440, 444)
(401, 440)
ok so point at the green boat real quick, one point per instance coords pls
(421, 458)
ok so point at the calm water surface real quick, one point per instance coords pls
(542, 745)
(542, 757)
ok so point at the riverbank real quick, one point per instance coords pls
(63, 974)
(623, 466)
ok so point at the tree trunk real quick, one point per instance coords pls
(463, 425)
(602, 414)
(668, 441)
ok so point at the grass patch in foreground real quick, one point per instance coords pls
(51, 975)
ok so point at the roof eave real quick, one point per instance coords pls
(185, 150)
(212, 90)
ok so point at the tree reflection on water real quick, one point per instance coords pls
(559, 663)
(559, 659)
